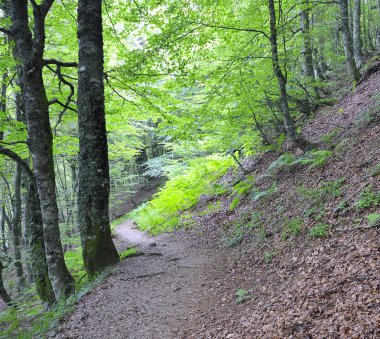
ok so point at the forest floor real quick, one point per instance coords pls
(164, 292)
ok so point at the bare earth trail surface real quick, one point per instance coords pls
(164, 293)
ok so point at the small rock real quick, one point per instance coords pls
(152, 244)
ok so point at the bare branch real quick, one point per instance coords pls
(14, 156)
(67, 107)
(232, 28)
(60, 63)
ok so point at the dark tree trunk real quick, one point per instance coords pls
(3, 292)
(16, 230)
(94, 183)
(284, 104)
(2, 226)
(347, 41)
(36, 245)
(356, 34)
(30, 52)
(25, 230)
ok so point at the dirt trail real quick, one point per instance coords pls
(164, 293)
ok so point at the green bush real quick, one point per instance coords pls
(368, 198)
(373, 219)
(180, 193)
(319, 230)
(293, 227)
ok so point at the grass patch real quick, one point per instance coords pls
(319, 230)
(130, 252)
(30, 319)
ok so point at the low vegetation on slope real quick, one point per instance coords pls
(181, 192)
(308, 225)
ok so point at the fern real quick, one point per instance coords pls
(281, 162)
(180, 193)
(313, 158)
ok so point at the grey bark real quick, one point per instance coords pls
(25, 229)
(347, 41)
(3, 292)
(36, 241)
(94, 182)
(16, 230)
(307, 51)
(281, 79)
(356, 34)
(29, 50)
(2, 227)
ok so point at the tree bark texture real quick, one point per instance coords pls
(356, 33)
(3, 292)
(347, 41)
(94, 182)
(29, 50)
(16, 230)
(307, 51)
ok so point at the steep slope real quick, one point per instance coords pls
(309, 258)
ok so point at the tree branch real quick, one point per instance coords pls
(14, 156)
(233, 28)
(56, 101)
(60, 63)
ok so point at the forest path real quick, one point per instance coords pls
(164, 293)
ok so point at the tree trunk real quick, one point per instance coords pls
(2, 226)
(25, 229)
(36, 245)
(307, 52)
(284, 105)
(16, 230)
(94, 182)
(347, 41)
(29, 50)
(3, 292)
(356, 34)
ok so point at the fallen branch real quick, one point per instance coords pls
(348, 229)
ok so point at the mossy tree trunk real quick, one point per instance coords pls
(356, 33)
(29, 50)
(94, 182)
(16, 230)
(347, 41)
(3, 292)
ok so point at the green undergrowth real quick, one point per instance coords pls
(128, 253)
(180, 193)
(31, 319)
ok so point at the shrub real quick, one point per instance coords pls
(368, 198)
(319, 230)
(180, 193)
(293, 227)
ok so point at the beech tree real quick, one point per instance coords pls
(29, 49)
(347, 41)
(94, 182)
